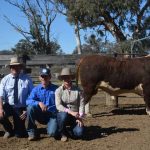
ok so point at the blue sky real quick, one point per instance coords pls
(61, 30)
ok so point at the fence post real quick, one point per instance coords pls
(111, 100)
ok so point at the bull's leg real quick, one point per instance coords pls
(89, 92)
(87, 110)
(146, 93)
(147, 103)
(87, 97)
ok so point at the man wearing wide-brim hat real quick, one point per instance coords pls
(65, 73)
(14, 90)
(70, 106)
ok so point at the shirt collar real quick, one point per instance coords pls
(18, 75)
(46, 87)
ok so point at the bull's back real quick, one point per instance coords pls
(124, 74)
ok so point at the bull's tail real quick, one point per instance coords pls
(78, 70)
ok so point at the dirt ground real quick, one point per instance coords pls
(123, 128)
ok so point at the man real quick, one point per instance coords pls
(41, 106)
(14, 90)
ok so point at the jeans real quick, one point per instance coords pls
(19, 125)
(34, 113)
(64, 119)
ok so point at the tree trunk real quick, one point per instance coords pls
(78, 40)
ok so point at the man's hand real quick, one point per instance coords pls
(79, 122)
(43, 107)
(2, 113)
(23, 115)
(75, 114)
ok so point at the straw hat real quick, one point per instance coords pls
(66, 72)
(15, 61)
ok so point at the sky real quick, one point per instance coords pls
(61, 30)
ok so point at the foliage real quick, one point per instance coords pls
(5, 52)
(23, 47)
(118, 18)
(40, 15)
(92, 46)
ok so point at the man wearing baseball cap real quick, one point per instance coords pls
(41, 106)
(14, 90)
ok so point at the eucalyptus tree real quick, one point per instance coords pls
(40, 14)
(23, 47)
(118, 17)
(62, 9)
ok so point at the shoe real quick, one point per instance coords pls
(22, 135)
(64, 138)
(31, 138)
(7, 135)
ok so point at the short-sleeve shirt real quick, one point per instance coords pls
(25, 86)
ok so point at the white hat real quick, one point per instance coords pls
(66, 72)
(15, 61)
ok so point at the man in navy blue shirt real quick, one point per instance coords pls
(41, 106)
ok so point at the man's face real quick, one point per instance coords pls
(45, 79)
(15, 69)
(67, 80)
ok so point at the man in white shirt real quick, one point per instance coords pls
(14, 90)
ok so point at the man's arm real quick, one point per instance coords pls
(31, 86)
(1, 108)
(2, 95)
(32, 99)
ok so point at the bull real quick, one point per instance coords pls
(115, 76)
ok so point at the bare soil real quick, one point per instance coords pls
(123, 128)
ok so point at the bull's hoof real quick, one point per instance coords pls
(148, 111)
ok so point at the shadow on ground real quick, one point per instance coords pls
(95, 132)
(130, 110)
(1, 133)
(123, 110)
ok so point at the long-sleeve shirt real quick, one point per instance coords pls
(44, 95)
(25, 86)
(69, 99)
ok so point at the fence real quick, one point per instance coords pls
(55, 62)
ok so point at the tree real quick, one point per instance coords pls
(6, 52)
(93, 45)
(40, 15)
(63, 11)
(117, 18)
(23, 47)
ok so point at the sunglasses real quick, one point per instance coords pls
(66, 77)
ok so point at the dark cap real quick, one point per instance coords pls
(45, 71)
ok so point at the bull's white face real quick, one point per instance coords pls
(105, 86)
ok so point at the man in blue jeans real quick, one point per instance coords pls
(14, 90)
(41, 106)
